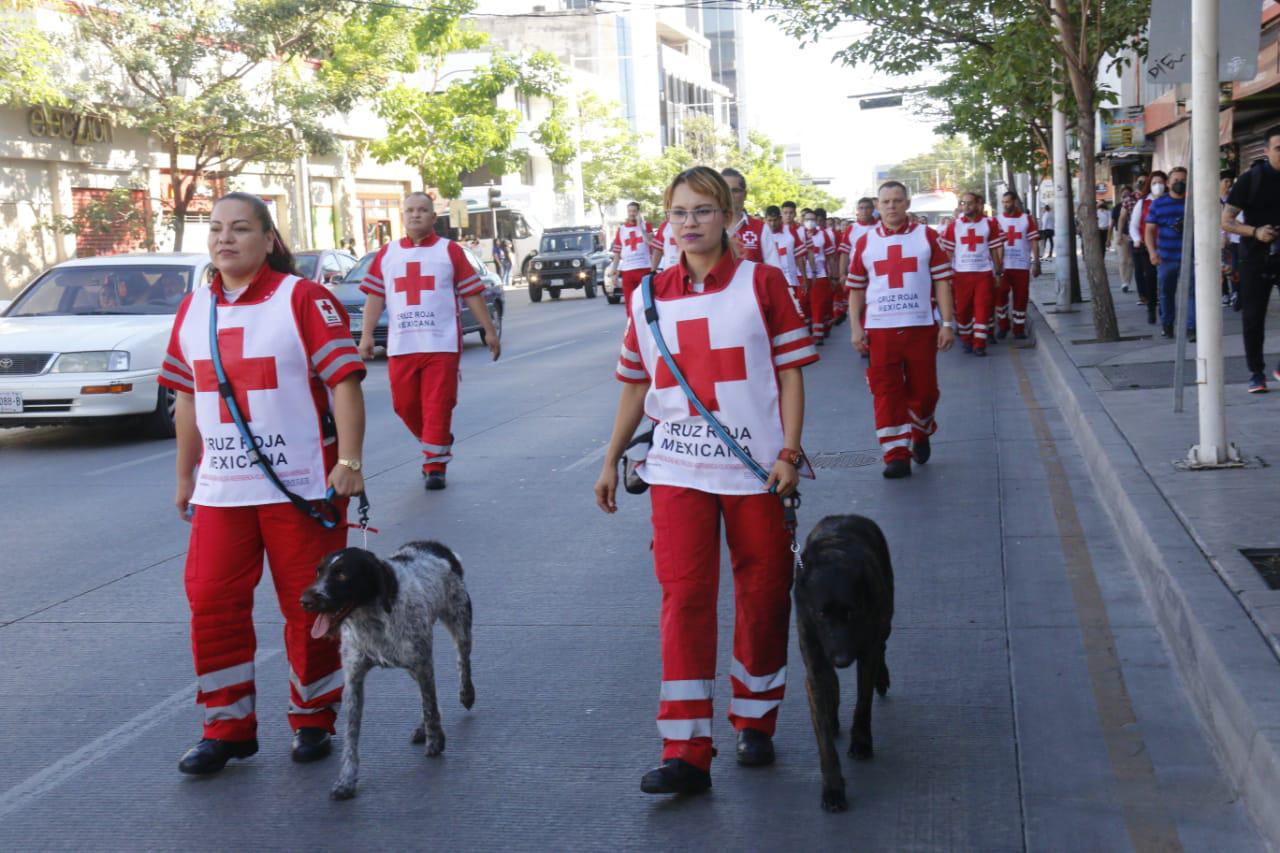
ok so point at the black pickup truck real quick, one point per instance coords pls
(568, 257)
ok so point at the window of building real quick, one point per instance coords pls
(523, 104)
(526, 171)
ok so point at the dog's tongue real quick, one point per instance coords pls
(321, 626)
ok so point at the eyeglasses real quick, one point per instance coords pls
(679, 216)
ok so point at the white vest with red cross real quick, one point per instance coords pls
(633, 243)
(421, 301)
(779, 249)
(821, 240)
(1017, 245)
(972, 252)
(268, 368)
(666, 240)
(721, 343)
(899, 283)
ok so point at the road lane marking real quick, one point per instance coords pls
(1146, 816)
(38, 784)
(538, 351)
(131, 463)
(593, 456)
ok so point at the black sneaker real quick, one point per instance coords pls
(980, 352)
(1151, 316)
(211, 755)
(435, 481)
(755, 748)
(311, 744)
(897, 469)
(1002, 334)
(1258, 383)
(921, 450)
(968, 348)
(675, 776)
(1166, 331)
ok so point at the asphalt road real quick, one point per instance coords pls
(1033, 705)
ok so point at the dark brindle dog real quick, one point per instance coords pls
(386, 610)
(844, 610)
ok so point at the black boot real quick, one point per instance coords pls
(675, 776)
(755, 748)
(211, 755)
(921, 450)
(311, 744)
(897, 469)
(435, 481)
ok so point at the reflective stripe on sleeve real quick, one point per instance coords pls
(220, 678)
(337, 364)
(795, 355)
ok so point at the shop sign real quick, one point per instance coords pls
(77, 128)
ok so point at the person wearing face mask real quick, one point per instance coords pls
(783, 247)
(1163, 235)
(295, 375)
(1144, 273)
(732, 329)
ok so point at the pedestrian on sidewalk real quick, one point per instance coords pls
(1150, 188)
(1164, 246)
(1230, 249)
(1256, 194)
(899, 269)
(420, 279)
(976, 244)
(1046, 231)
(1124, 250)
(1021, 262)
(286, 352)
(736, 336)
(1104, 224)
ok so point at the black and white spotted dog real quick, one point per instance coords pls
(385, 610)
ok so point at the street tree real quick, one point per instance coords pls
(907, 38)
(218, 85)
(29, 73)
(770, 182)
(952, 164)
(608, 151)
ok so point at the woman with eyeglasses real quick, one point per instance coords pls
(737, 338)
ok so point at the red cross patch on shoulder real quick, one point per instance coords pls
(329, 312)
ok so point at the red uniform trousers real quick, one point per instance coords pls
(686, 552)
(800, 296)
(424, 390)
(1015, 283)
(224, 565)
(630, 281)
(904, 381)
(820, 299)
(839, 304)
(974, 293)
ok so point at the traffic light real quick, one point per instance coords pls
(495, 197)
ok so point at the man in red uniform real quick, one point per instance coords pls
(632, 251)
(975, 242)
(744, 229)
(822, 258)
(898, 271)
(420, 279)
(782, 246)
(864, 222)
(1021, 261)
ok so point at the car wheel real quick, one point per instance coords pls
(496, 316)
(535, 293)
(554, 291)
(589, 290)
(160, 423)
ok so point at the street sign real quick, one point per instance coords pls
(880, 103)
(458, 213)
(1169, 52)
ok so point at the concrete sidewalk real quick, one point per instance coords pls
(1189, 533)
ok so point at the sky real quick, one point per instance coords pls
(799, 95)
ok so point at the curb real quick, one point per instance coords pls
(1227, 667)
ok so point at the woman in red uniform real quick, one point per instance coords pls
(295, 373)
(734, 331)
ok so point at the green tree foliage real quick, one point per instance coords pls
(606, 151)
(113, 213)
(225, 84)
(29, 73)
(951, 164)
(769, 182)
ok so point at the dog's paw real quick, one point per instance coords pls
(435, 745)
(342, 791)
(833, 800)
(860, 750)
(467, 696)
(882, 680)
(419, 735)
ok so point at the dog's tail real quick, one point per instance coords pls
(444, 552)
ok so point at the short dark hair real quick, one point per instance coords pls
(977, 196)
(866, 199)
(1182, 169)
(820, 211)
(772, 210)
(1272, 133)
(1155, 172)
(730, 172)
(1010, 194)
(790, 204)
(889, 185)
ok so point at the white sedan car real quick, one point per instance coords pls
(85, 340)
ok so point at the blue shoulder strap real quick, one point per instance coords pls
(651, 318)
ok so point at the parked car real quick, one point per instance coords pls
(568, 257)
(84, 341)
(324, 265)
(347, 289)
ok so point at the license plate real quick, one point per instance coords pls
(557, 282)
(10, 402)
(356, 324)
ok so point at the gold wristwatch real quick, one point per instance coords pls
(353, 464)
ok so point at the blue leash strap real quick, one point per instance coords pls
(328, 514)
(651, 318)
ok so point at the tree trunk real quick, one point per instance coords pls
(179, 208)
(1072, 236)
(1104, 312)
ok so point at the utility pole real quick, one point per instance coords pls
(1213, 449)
(1061, 205)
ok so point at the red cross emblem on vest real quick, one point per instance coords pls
(895, 266)
(1013, 235)
(703, 366)
(413, 283)
(782, 251)
(972, 239)
(633, 239)
(244, 374)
